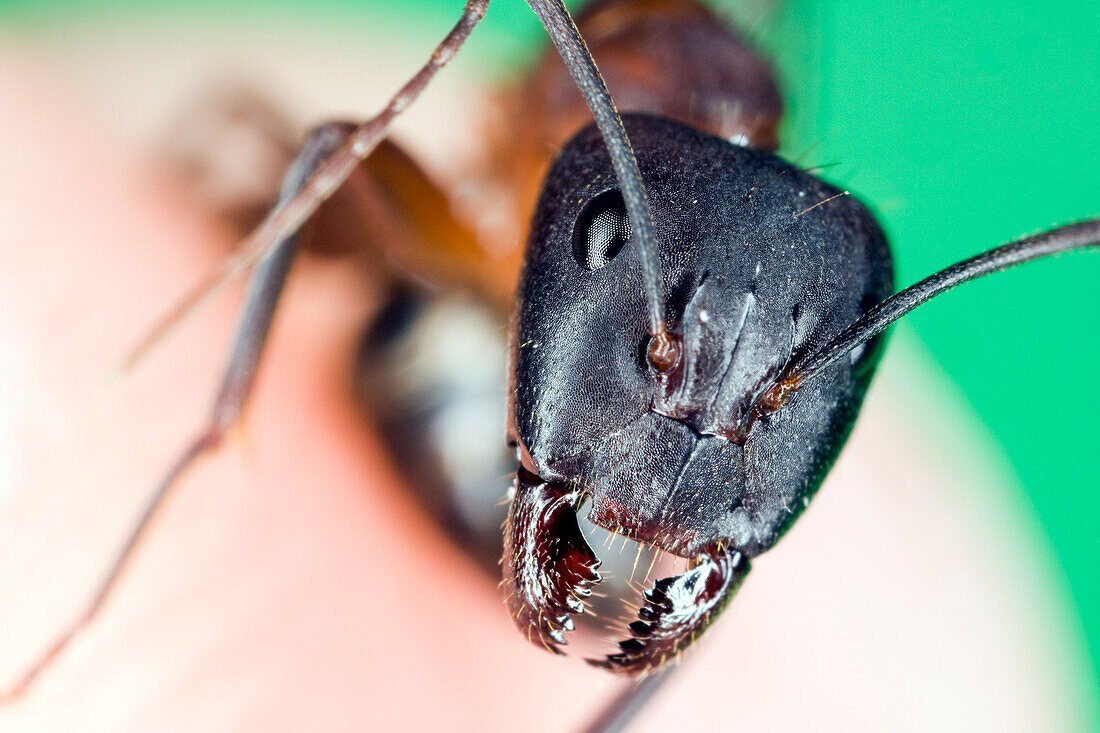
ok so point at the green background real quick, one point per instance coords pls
(966, 126)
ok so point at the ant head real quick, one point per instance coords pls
(661, 432)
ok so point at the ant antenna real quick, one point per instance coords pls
(1081, 235)
(289, 216)
(578, 60)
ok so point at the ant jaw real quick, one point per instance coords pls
(549, 568)
(549, 571)
(676, 611)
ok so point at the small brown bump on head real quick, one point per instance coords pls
(780, 392)
(664, 351)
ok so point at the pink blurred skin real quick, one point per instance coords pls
(292, 585)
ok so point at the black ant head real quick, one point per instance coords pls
(669, 438)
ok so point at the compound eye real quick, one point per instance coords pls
(601, 230)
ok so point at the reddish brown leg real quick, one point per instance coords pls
(390, 212)
(327, 159)
(293, 212)
(622, 708)
(262, 296)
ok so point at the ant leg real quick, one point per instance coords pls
(623, 708)
(407, 224)
(325, 179)
(261, 298)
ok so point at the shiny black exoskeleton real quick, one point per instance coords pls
(762, 263)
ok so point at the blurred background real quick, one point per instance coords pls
(962, 127)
